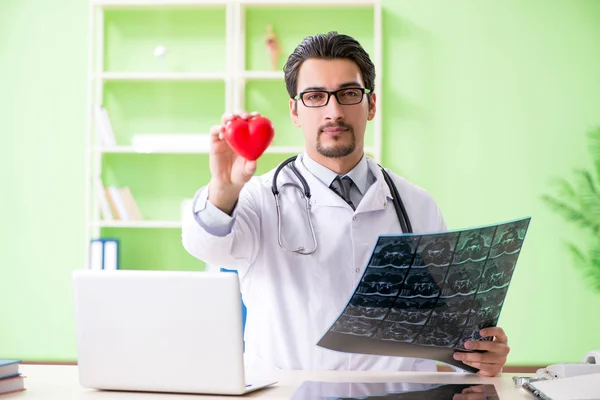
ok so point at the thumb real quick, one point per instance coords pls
(249, 168)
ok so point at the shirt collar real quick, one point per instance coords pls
(358, 174)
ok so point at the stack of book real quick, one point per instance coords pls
(116, 203)
(10, 379)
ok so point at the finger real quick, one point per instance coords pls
(254, 114)
(497, 332)
(486, 345)
(244, 115)
(250, 168)
(489, 357)
(474, 389)
(485, 369)
(215, 133)
(469, 396)
(488, 370)
(226, 117)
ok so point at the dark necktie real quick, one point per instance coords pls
(342, 187)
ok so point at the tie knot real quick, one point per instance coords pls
(344, 181)
(342, 185)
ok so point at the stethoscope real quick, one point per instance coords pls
(305, 193)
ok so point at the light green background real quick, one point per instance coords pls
(483, 102)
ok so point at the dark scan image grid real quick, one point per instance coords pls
(434, 289)
(393, 391)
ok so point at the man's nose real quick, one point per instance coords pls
(334, 110)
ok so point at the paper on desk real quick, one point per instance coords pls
(425, 295)
(584, 387)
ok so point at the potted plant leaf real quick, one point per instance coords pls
(579, 203)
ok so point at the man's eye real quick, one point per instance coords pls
(315, 96)
(351, 93)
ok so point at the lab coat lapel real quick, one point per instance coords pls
(378, 196)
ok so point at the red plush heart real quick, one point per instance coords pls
(249, 138)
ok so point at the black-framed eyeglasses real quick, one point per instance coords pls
(320, 98)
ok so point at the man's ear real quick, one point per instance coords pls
(372, 106)
(294, 112)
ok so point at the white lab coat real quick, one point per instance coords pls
(292, 299)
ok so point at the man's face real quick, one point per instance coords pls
(334, 130)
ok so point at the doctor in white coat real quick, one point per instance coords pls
(293, 298)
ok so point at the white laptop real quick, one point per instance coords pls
(160, 331)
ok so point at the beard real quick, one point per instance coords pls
(338, 150)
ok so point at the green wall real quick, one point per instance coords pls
(483, 103)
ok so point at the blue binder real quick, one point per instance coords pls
(243, 305)
(102, 260)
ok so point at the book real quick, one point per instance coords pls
(105, 207)
(131, 206)
(105, 131)
(112, 204)
(11, 385)
(9, 368)
(119, 202)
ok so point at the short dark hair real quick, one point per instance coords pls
(328, 46)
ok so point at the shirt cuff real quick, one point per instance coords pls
(214, 221)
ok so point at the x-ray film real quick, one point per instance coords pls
(425, 295)
(392, 390)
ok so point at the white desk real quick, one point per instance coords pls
(61, 382)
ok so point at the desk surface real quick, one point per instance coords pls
(61, 382)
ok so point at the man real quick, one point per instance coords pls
(293, 298)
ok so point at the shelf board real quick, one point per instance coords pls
(129, 4)
(285, 150)
(133, 150)
(162, 76)
(276, 75)
(158, 3)
(312, 3)
(137, 224)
